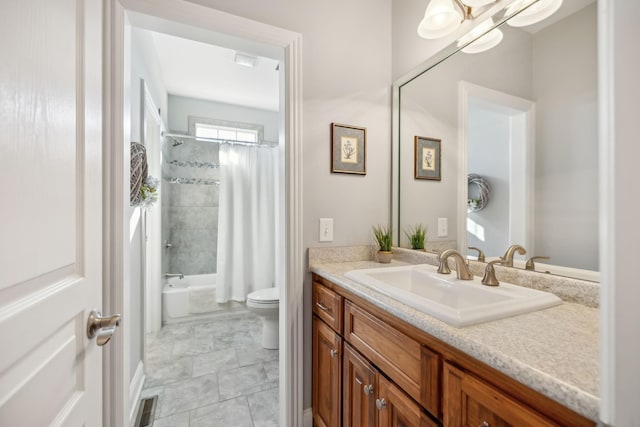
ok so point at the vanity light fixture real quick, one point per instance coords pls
(483, 43)
(442, 17)
(532, 14)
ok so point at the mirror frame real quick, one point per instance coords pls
(451, 49)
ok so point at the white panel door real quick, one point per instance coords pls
(50, 211)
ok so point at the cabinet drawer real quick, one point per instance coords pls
(327, 305)
(471, 401)
(413, 367)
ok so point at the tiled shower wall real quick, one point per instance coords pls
(190, 208)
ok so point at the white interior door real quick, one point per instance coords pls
(50, 211)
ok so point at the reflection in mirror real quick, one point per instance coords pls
(523, 116)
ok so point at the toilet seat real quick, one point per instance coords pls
(269, 296)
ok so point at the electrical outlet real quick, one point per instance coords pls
(326, 230)
(443, 227)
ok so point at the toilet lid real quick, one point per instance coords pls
(265, 295)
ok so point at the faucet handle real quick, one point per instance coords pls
(530, 265)
(480, 253)
(490, 278)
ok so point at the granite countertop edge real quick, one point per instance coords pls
(581, 401)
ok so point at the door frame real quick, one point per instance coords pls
(522, 161)
(117, 403)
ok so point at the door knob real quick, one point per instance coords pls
(368, 389)
(381, 404)
(101, 327)
(333, 353)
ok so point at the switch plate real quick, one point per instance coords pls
(326, 230)
(443, 227)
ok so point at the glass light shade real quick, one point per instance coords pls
(486, 42)
(533, 14)
(442, 17)
(477, 3)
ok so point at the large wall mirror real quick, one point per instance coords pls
(520, 119)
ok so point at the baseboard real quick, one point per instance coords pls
(135, 389)
(307, 418)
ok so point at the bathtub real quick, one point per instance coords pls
(195, 295)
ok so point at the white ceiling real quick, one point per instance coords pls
(199, 70)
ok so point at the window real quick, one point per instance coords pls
(204, 130)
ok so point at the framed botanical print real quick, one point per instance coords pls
(348, 149)
(427, 158)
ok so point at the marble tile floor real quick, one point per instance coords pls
(212, 372)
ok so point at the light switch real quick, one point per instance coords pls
(443, 227)
(326, 230)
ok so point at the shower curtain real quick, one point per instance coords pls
(246, 221)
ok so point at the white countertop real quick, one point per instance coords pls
(553, 351)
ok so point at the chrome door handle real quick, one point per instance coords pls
(101, 327)
(484, 424)
(368, 389)
(333, 353)
(381, 404)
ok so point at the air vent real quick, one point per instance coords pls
(146, 412)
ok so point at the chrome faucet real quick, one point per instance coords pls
(462, 269)
(508, 255)
(168, 275)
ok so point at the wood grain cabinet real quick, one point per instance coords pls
(469, 401)
(371, 369)
(327, 375)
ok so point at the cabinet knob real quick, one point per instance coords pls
(484, 424)
(368, 389)
(381, 404)
(333, 353)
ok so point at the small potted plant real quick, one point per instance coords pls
(384, 238)
(417, 235)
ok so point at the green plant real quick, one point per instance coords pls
(383, 237)
(417, 235)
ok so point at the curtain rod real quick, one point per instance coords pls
(179, 137)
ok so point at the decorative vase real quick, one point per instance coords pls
(385, 256)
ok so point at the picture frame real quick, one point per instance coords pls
(427, 160)
(348, 149)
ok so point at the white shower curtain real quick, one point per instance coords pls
(246, 221)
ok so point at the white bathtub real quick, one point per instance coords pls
(195, 295)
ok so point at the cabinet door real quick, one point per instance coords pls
(396, 409)
(359, 388)
(468, 401)
(327, 375)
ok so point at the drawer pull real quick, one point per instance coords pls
(368, 389)
(484, 424)
(333, 353)
(381, 404)
(323, 307)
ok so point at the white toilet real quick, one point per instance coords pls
(265, 303)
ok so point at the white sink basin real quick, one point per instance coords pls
(456, 302)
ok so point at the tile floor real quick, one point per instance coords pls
(213, 372)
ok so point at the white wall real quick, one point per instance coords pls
(620, 151)
(144, 65)
(564, 87)
(180, 108)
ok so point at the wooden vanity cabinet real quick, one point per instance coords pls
(469, 401)
(366, 358)
(327, 375)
